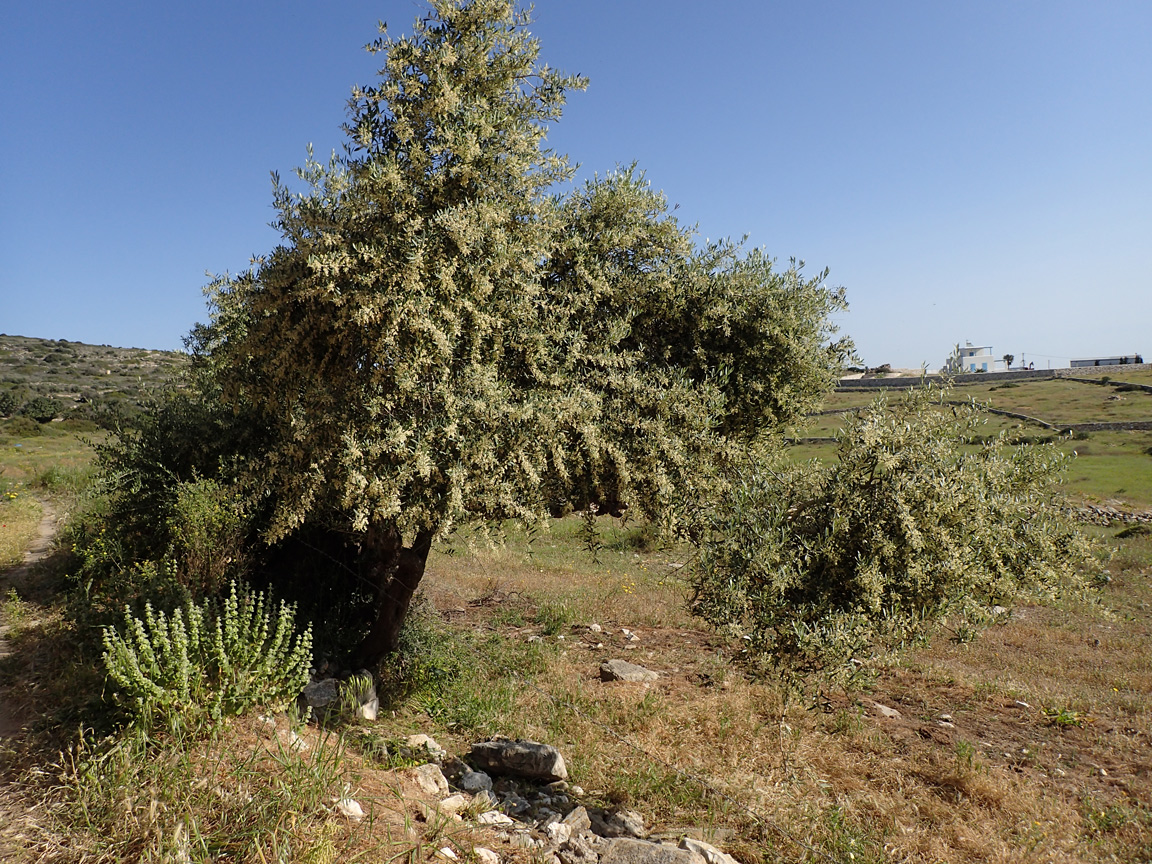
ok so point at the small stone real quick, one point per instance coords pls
(945, 724)
(426, 743)
(494, 817)
(431, 779)
(578, 820)
(535, 638)
(321, 694)
(708, 852)
(1059, 772)
(595, 628)
(1103, 772)
(369, 710)
(622, 670)
(454, 804)
(350, 808)
(947, 718)
(885, 711)
(475, 781)
(1021, 704)
(629, 635)
(999, 611)
(558, 833)
(622, 823)
(485, 856)
(447, 853)
(578, 791)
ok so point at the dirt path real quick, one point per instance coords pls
(39, 549)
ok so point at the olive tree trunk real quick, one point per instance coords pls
(396, 571)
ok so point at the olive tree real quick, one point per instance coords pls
(910, 526)
(441, 338)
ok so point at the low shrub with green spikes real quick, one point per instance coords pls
(204, 662)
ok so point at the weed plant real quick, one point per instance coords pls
(200, 663)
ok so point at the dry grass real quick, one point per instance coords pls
(19, 516)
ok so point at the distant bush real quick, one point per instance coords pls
(21, 427)
(8, 403)
(41, 409)
(204, 662)
(812, 565)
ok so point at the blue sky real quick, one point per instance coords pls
(969, 170)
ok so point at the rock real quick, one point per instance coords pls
(447, 854)
(629, 635)
(578, 820)
(595, 628)
(321, 694)
(485, 800)
(622, 823)
(416, 744)
(886, 712)
(558, 833)
(519, 758)
(629, 851)
(622, 670)
(431, 779)
(454, 804)
(494, 817)
(350, 808)
(369, 710)
(707, 851)
(485, 856)
(579, 850)
(475, 781)
(1022, 704)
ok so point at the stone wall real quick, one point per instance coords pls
(1115, 374)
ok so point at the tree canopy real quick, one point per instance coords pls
(443, 336)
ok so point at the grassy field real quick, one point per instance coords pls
(1032, 743)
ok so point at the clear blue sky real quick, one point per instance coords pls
(969, 170)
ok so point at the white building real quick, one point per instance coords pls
(977, 358)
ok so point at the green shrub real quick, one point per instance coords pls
(8, 403)
(205, 528)
(202, 662)
(813, 564)
(22, 427)
(41, 409)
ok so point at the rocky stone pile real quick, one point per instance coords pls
(520, 790)
(1106, 514)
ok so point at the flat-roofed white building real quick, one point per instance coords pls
(977, 358)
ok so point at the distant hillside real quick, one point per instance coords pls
(93, 382)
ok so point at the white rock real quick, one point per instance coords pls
(350, 808)
(485, 856)
(708, 852)
(425, 742)
(454, 804)
(447, 853)
(595, 628)
(885, 711)
(431, 779)
(494, 817)
(558, 833)
(369, 710)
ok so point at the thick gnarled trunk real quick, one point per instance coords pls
(396, 571)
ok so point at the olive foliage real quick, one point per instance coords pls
(441, 337)
(910, 527)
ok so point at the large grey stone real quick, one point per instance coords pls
(323, 693)
(475, 781)
(622, 670)
(622, 823)
(520, 758)
(629, 851)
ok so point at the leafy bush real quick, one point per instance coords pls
(813, 564)
(205, 528)
(41, 409)
(206, 662)
(8, 403)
